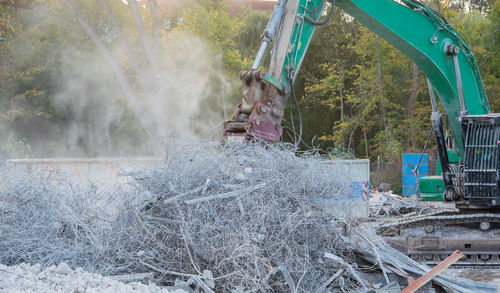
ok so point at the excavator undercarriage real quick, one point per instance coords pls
(432, 237)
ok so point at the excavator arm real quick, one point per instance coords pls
(410, 26)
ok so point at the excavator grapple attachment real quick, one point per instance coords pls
(261, 109)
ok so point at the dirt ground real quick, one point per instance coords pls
(481, 275)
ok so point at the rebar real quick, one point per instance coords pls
(222, 218)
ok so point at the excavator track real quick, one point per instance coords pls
(438, 220)
(432, 237)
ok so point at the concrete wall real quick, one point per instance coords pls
(107, 170)
(350, 200)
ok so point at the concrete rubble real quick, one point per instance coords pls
(61, 278)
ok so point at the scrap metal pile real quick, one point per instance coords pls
(209, 217)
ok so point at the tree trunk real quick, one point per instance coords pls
(341, 95)
(366, 142)
(145, 40)
(351, 136)
(414, 89)
(411, 105)
(383, 123)
(156, 28)
(123, 41)
(125, 85)
(222, 89)
(134, 8)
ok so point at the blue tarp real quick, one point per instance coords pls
(410, 162)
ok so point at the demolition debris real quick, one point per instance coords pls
(209, 217)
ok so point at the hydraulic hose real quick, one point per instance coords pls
(323, 21)
(290, 78)
(414, 4)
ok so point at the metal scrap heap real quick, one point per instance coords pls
(209, 217)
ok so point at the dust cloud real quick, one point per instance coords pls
(99, 114)
(93, 117)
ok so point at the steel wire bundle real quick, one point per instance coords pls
(50, 218)
(223, 218)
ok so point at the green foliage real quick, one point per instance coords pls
(346, 81)
(54, 82)
(210, 19)
(489, 61)
(249, 35)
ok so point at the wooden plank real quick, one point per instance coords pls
(433, 272)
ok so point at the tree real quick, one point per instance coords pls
(83, 73)
(489, 59)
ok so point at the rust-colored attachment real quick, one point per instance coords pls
(261, 110)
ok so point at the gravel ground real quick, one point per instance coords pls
(61, 278)
(490, 276)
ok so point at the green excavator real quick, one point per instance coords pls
(468, 174)
(471, 179)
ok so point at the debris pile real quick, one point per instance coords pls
(370, 247)
(61, 278)
(49, 219)
(388, 204)
(210, 217)
(248, 215)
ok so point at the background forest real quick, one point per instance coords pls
(106, 78)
